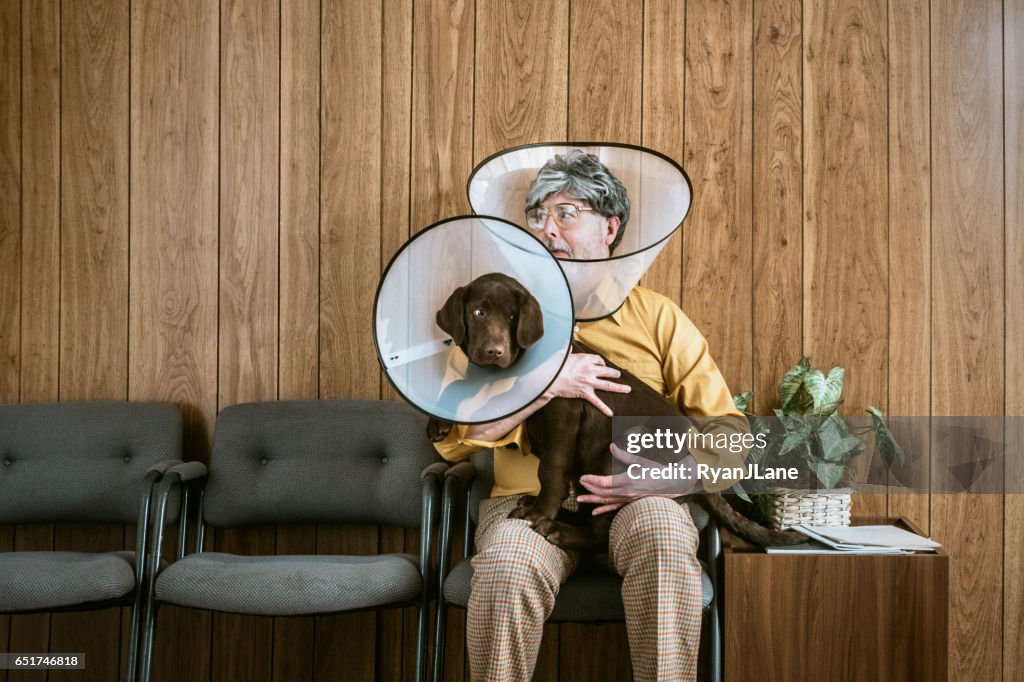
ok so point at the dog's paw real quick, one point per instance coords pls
(526, 513)
(437, 430)
(549, 529)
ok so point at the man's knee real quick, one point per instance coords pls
(653, 526)
(516, 560)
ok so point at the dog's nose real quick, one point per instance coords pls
(495, 351)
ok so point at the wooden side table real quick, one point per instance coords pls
(822, 617)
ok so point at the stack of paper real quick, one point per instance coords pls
(857, 540)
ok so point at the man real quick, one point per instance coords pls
(580, 210)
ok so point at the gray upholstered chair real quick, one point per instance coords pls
(82, 462)
(301, 461)
(588, 596)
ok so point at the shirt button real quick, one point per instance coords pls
(576, 329)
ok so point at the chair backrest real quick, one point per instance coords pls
(81, 461)
(484, 481)
(317, 460)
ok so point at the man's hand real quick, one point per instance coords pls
(611, 492)
(582, 375)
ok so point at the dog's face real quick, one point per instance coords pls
(493, 319)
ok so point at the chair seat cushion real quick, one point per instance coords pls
(589, 595)
(51, 580)
(288, 585)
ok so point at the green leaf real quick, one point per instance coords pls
(829, 474)
(842, 450)
(834, 385)
(789, 387)
(814, 382)
(738, 489)
(743, 400)
(886, 445)
(827, 409)
(795, 439)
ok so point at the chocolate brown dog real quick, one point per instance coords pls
(493, 319)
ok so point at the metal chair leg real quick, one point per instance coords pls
(715, 664)
(439, 638)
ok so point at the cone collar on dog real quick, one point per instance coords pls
(423, 362)
(659, 193)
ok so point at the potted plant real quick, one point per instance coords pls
(807, 432)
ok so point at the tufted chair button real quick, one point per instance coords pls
(264, 460)
(127, 458)
(384, 460)
(7, 462)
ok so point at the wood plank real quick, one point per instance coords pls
(396, 127)
(94, 208)
(846, 618)
(346, 644)
(396, 630)
(40, 200)
(10, 243)
(300, 200)
(299, 296)
(242, 646)
(845, 200)
(174, 223)
(441, 157)
(605, 104)
(1013, 510)
(350, 237)
(778, 188)
(294, 636)
(29, 633)
(249, 201)
(350, 198)
(442, 110)
(661, 125)
(968, 311)
(94, 271)
(605, 71)
(249, 266)
(580, 660)
(522, 69)
(10, 204)
(718, 142)
(40, 264)
(909, 246)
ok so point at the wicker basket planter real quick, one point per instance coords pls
(817, 508)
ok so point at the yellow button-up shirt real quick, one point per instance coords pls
(652, 338)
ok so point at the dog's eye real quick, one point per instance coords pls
(479, 312)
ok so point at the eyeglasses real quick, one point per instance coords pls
(565, 215)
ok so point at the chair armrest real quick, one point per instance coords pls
(437, 469)
(456, 482)
(464, 471)
(430, 492)
(187, 471)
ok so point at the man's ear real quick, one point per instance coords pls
(530, 326)
(611, 229)
(450, 317)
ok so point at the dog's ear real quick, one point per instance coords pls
(531, 320)
(450, 317)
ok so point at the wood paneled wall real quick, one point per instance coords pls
(197, 198)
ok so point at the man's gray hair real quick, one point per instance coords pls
(582, 175)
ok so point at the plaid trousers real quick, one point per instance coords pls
(517, 573)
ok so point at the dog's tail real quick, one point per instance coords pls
(750, 531)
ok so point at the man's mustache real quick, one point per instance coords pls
(558, 245)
